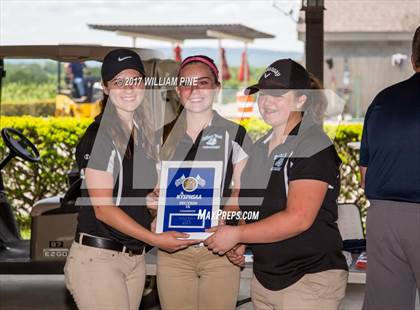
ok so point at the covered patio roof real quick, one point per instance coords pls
(179, 33)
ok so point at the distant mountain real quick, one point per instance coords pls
(256, 57)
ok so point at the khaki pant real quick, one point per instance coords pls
(102, 279)
(314, 291)
(197, 279)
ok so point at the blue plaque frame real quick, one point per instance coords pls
(189, 197)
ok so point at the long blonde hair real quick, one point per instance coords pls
(119, 133)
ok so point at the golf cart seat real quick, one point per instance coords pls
(54, 222)
(44, 205)
(61, 204)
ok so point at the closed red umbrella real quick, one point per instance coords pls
(177, 52)
(225, 67)
(244, 68)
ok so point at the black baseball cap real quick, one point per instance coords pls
(118, 60)
(280, 77)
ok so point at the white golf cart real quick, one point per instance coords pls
(53, 220)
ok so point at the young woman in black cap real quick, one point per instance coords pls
(196, 278)
(294, 171)
(105, 268)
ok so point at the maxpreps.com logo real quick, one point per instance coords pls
(212, 141)
(190, 184)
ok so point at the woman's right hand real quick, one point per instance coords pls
(169, 241)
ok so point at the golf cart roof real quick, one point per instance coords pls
(68, 53)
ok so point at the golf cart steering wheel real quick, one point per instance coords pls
(19, 145)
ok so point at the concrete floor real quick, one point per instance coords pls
(33, 292)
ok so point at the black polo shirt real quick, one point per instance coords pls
(307, 153)
(222, 140)
(134, 178)
(390, 145)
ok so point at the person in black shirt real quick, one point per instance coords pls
(105, 268)
(390, 170)
(196, 278)
(291, 181)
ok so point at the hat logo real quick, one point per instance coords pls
(271, 69)
(124, 58)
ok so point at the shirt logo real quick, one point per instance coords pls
(211, 141)
(124, 58)
(87, 156)
(278, 161)
(190, 184)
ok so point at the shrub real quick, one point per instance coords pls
(28, 92)
(36, 108)
(56, 139)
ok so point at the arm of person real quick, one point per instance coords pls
(86, 69)
(304, 201)
(364, 154)
(69, 71)
(100, 185)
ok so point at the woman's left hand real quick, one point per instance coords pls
(225, 237)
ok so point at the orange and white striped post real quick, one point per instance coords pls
(245, 104)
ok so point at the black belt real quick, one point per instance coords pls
(108, 244)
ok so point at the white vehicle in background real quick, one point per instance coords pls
(53, 220)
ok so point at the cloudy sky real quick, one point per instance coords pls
(53, 22)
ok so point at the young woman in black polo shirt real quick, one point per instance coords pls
(195, 278)
(294, 171)
(105, 268)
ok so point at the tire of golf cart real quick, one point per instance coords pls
(150, 299)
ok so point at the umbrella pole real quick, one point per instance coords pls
(59, 77)
(173, 50)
